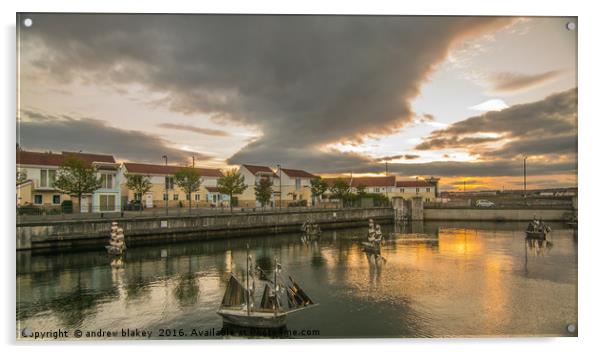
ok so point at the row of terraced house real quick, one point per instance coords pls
(38, 171)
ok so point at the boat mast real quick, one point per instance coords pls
(276, 289)
(247, 292)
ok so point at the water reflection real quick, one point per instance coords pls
(432, 279)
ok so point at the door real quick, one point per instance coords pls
(148, 202)
(85, 205)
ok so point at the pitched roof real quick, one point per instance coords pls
(54, 159)
(256, 169)
(384, 181)
(414, 183)
(296, 173)
(167, 170)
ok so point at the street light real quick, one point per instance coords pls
(525, 177)
(166, 187)
(280, 185)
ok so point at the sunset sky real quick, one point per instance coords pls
(462, 98)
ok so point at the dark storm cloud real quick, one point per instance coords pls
(485, 168)
(48, 132)
(544, 127)
(509, 81)
(191, 128)
(304, 81)
(397, 157)
(557, 145)
(454, 141)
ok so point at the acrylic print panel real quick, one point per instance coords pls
(242, 176)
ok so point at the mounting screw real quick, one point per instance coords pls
(571, 26)
(571, 328)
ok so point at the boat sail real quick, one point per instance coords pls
(238, 304)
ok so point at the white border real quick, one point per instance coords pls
(589, 171)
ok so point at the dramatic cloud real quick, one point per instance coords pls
(303, 81)
(452, 142)
(544, 127)
(191, 128)
(39, 131)
(398, 157)
(495, 168)
(511, 82)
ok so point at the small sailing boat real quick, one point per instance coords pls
(375, 238)
(537, 229)
(310, 228)
(238, 304)
(116, 244)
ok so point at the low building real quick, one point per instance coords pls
(39, 171)
(378, 184)
(296, 186)
(415, 188)
(252, 175)
(162, 177)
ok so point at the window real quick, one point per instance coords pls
(164, 196)
(401, 190)
(187, 196)
(197, 197)
(37, 199)
(176, 196)
(297, 183)
(376, 190)
(106, 180)
(107, 202)
(417, 190)
(428, 190)
(47, 178)
(56, 199)
(137, 196)
(169, 183)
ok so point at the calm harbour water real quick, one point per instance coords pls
(439, 279)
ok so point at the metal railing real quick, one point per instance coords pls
(56, 214)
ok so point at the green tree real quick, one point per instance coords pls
(76, 177)
(21, 176)
(339, 189)
(139, 184)
(361, 189)
(263, 191)
(318, 188)
(230, 184)
(190, 181)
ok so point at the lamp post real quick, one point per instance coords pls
(166, 187)
(280, 186)
(525, 177)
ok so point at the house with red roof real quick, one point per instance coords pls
(370, 184)
(391, 187)
(38, 171)
(424, 188)
(164, 187)
(296, 186)
(252, 175)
